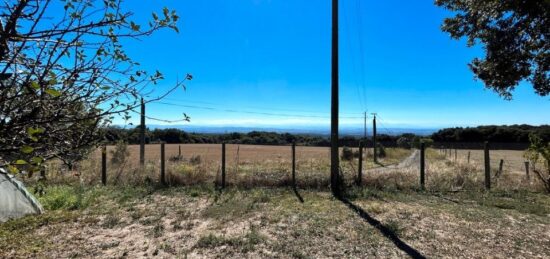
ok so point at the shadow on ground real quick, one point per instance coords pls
(388, 233)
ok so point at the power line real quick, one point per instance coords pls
(361, 51)
(347, 23)
(250, 112)
(185, 102)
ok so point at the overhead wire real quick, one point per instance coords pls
(250, 112)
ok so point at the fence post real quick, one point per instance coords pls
(422, 165)
(179, 150)
(162, 164)
(456, 155)
(360, 170)
(104, 165)
(527, 169)
(469, 156)
(487, 166)
(223, 165)
(294, 165)
(500, 167)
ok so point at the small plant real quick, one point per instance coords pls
(381, 151)
(347, 154)
(195, 160)
(175, 158)
(120, 154)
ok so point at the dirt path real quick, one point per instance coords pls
(412, 160)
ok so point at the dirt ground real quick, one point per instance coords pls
(192, 222)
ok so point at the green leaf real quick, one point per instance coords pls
(21, 162)
(134, 26)
(35, 85)
(37, 160)
(53, 92)
(13, 169)
(27, 149)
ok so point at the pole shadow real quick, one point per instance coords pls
(298, 195)
(388, 233)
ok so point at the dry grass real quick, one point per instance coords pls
(246, 166)
(197, 222)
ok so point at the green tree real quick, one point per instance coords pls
(64, 74)
(514, 34)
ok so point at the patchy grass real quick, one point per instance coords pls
(262, 222)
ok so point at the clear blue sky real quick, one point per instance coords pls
(273, 56)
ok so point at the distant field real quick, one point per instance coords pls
(513, 159)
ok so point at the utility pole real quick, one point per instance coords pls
(142, 135)
(374, 137)
(334, 159)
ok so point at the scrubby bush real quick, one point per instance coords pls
(540, 151)
(347, 154)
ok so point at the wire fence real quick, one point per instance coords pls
(445, 169)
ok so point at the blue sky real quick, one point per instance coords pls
(273, 56)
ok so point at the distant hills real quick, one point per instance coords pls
(346, 131)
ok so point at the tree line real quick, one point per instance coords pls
(173, 135)
(496, 134)
(513, 134)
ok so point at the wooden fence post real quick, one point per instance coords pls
(104, 165)
(360, 170)
(487, 166)
(162, 164)
(223, 165)
(422, 165)
(179, 150)
(294, 165)
(527, 169)
(468, 156)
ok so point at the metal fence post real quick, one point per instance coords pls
(360, 170)
(162, 164)
(104, 165)
(223, 165)
(487, 166)
(294, 165)
(422, 165)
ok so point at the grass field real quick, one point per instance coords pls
(259, 215)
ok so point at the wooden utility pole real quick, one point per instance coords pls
(334, 159)
(365, 134)
(374, 137)
(142, 135)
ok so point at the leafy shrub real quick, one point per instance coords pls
(536, 151)
(347, 154)
(67, 197)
